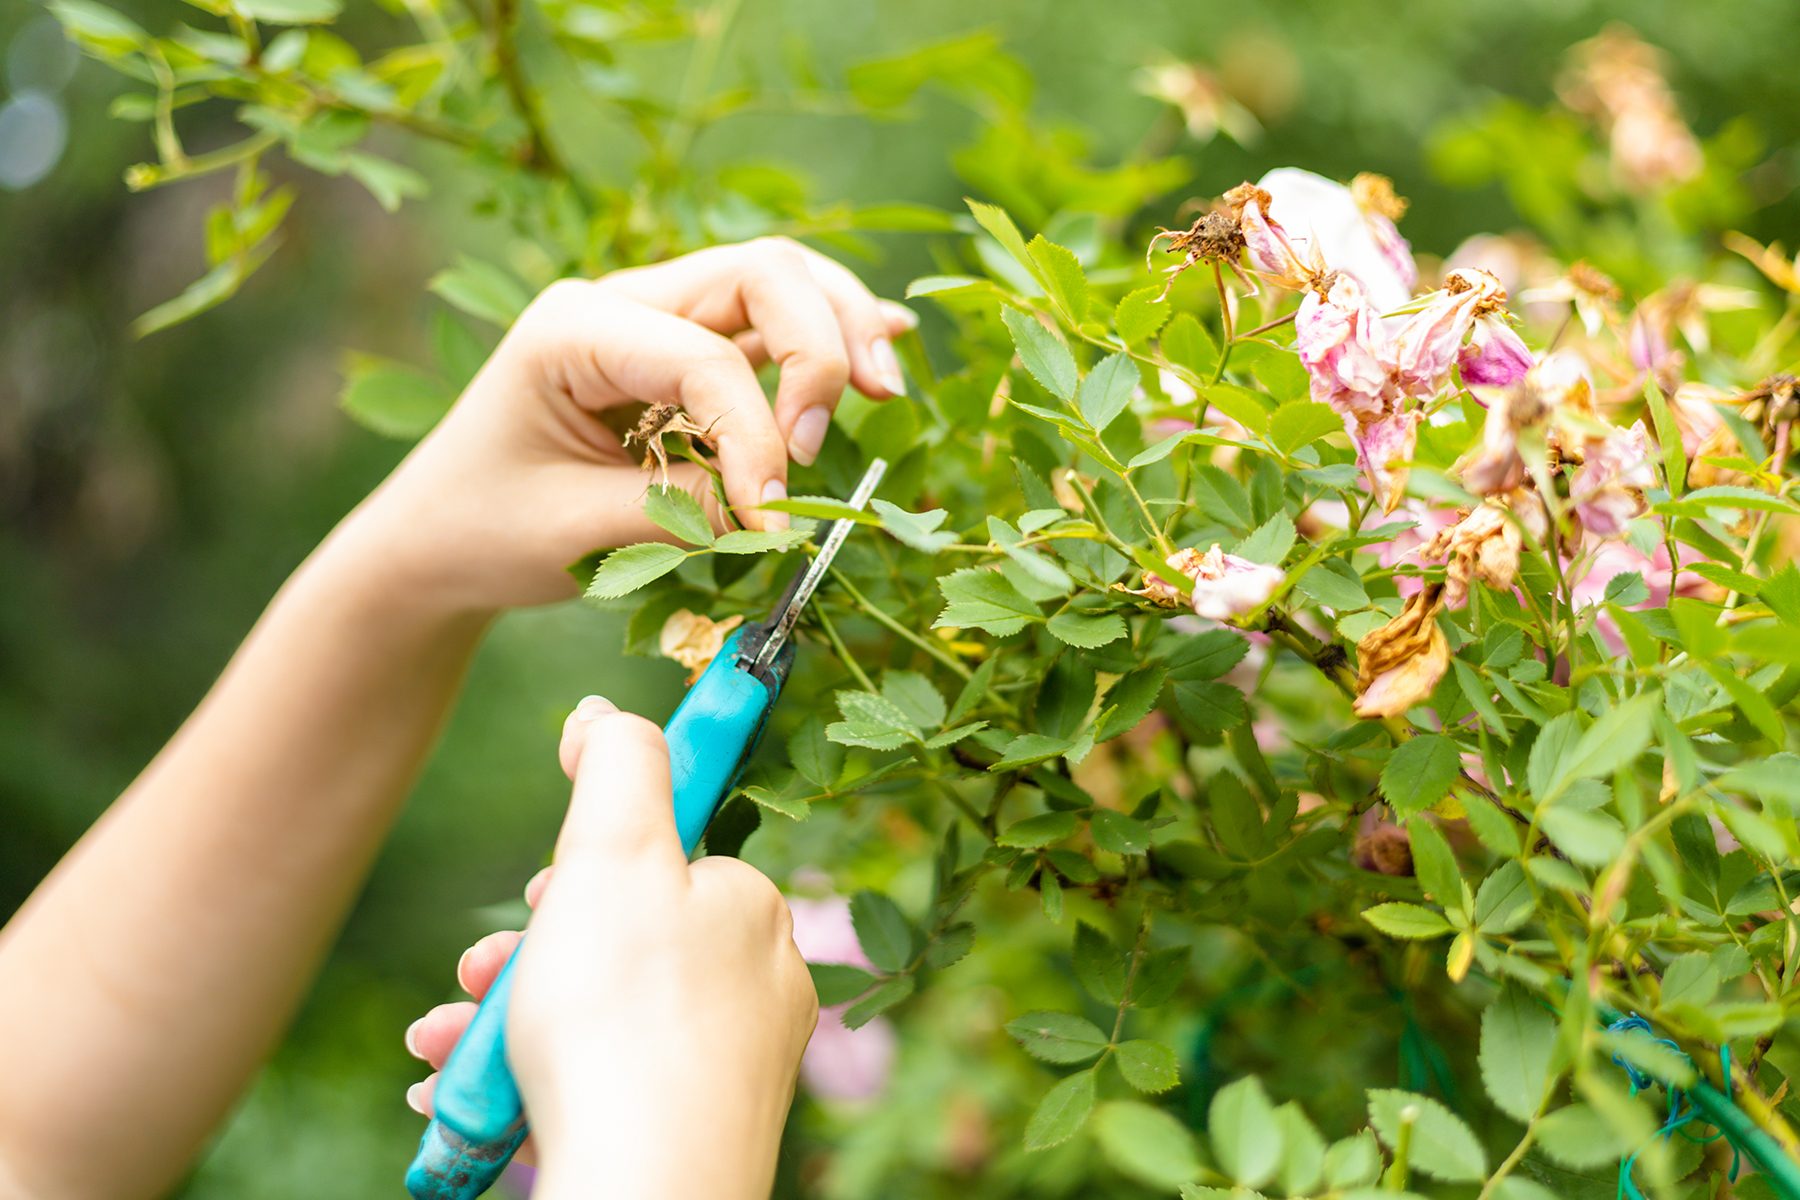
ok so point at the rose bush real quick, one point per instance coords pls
(1261, 662)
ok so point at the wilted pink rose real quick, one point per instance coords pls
(1608, 489)
(1326, 218)
(1383, 450)
(1495, 355)
(840, 1063)
(1225, 585)
(1275, 256)
(1342, 344)
(1430, 342)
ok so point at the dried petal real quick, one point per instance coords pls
(1401, 662)
(694, 640)
(1342, 344)
(1483, 546)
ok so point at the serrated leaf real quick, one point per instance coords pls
(919, 530)
(1690, 979)
(1107, 389)
(1206, 655)
(482, 290)
(1579, 1137)
(676, 510)
(391, 398)
(1000, 225)
(794, 808)
(1119, 833)
(1269, 542)
(983, 599)
(1129, 701)
(890, 993)
(1037, 831)
(1058, 1037)
(1214, 707)
(1434, 863)
(1139, 315)
(1442, 1146)
(1398, 919)
(1419, 773)
(1335, 584)
(1062, 275)
(1148, 1066)
(951, 946)
(1246, 1138)
(629, 568)
(759, 541)
(1303, 1151)
(839, 983)
(1146, 1143)
(1301, 423)
(915, 696)
(1061, 1112)
(1042, 352)
(883, 931)
(1505, 900)
(1353, 1161)
(818, 760)
(1089, 631)
(1518, 1040)
(1029, 748)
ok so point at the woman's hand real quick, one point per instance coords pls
(523, 478)
(657, 1002)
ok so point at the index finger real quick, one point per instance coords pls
(622, 810)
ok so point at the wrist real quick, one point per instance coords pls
(362, 571)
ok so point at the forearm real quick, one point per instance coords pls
(148, 977)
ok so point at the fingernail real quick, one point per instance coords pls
(415, 1097)
(899, 312)
(772, 491)
(887, 366)
(412, 1038)
(594, 706)
(809, 435)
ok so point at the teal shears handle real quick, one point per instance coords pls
(480, 1117)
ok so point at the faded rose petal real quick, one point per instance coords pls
(694, 640)
(1400, 663)
(1695, 409)
(1427, 345)
(1342, 345)
(1484, 546)
(1609, 558)
(1608, 489)
(1383, 448)
(1275, 256)
(1324, 218)
(1495, 355)
(1225, 585)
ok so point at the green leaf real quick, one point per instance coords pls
(1434, 863)
(1129, 701)
(950, 946)
(1058, 1037)
(1701, 502)
(482, 290)
(1335, 584)
(1119, 833)
(629, 568)
(1270, 542)
(1303, 1151)
(1419, 773)
(1589, 837)
(839, 983)
(794, 808)
(1353, 1162)
(914, 695)
(1692, 978)
(1061, 1112)
(984, 599)
(1613, 742)
(1246, 1138)
(1222, 498)
(1087, 630)
(1042, 352)
(99, 28)
(1442, 1146)
(1042, 829)
(821, 508)
(1062, 275)
(1099, 965)
(918, 530)
(1578, 1137)
(883, 931)
(1399, 919)
(871, 721)
(996, 221)
(389, 182)
(1146, 1143)
(890, 993)
(289, 12)
(1148, 1066)
(1107, 389)
(1139, 316)
(1206, 655)
(391, 398)
(1301, 423)
(676, 510)
(1518, 1039)
(1186, 343)
(1214, 707)
(759, 541)
(818, 760)
(1505, 900)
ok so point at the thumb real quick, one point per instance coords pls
(622, 810)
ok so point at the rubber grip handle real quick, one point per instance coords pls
(480, 1117)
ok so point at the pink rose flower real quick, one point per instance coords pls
(1344, 235)
(840, 1063)
(1495, 355)
(1383, 450)
(1430, 342)
(1342, 344)
(1608, 489)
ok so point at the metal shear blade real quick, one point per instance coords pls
(782, 625)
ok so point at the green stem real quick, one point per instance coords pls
(884, 618)
(838, 648)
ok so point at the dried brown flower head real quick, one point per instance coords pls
(1484, 545)
(1384, 848)
(659, 421)
(1215, 237)
(1399, 663)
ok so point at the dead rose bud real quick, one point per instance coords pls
(1773, 403)
(1484, 546)
(1400, 663)
(1382, 846)
(1287, 262)
(694, 640)
(1349, 230)
(1215, 237)
(1431, 341)
(659, 421)
(1225, 585)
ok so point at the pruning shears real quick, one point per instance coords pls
(480, 1117)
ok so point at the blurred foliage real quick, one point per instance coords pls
(157, 492)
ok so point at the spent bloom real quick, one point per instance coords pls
(1559, 382)
(1225, 585)
(1617, 79)
(1608, 487)
(1401, 662)
(1349, 230)
(694, 640)
(1483, 546)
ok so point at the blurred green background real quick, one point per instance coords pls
(156, 492)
